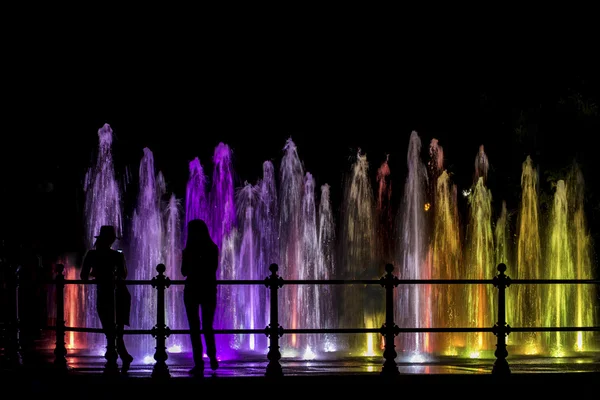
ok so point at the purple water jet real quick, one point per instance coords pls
(196, 203)
(102, 207)
(145, 252)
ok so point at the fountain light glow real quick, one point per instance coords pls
(287, 218)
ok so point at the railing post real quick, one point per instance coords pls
(160, 331)
(501, 328)
(60, 350)
(274, 331)
(12, 352)
(389, 329)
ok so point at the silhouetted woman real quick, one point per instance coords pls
(106, 266)
(199, 262)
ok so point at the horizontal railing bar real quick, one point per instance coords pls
(263, 282)
(557, 281)
(345, 330)
(557, 329)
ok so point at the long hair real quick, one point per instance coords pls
(197, 234)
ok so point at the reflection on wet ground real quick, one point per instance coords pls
(255, 365)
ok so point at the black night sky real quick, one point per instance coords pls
(330, 100)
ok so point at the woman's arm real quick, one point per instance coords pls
(122, 273)
(185, 268)
(86, 267)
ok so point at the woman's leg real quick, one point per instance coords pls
(191, 310)
(208, 316)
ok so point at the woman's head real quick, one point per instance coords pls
(106, 237)
(197, 231)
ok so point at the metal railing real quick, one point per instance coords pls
(274, 331)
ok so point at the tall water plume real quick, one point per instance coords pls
(527, 310)
(558, 300)
(228, 315)
(503, 252)
(102, 207)
(309, 295)
(435, 167)
(385, 214)
(267, 218)
(326, 268)
(290, 234)
(248, 296)
(175, 309)
(145, 252)
(196, 203)
(358, 247)
(481, 165)
(413, 305)
(480, 264)
(221, 216)
(447, 264)
(581, 248)
(502, 238)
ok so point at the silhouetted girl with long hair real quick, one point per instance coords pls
(199, 262)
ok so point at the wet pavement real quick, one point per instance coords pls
(85, 372)
(86, 367)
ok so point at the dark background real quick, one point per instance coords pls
(331, 96)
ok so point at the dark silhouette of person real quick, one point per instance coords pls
(199, 263)
(108, 268)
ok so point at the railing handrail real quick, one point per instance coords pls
(261, 282)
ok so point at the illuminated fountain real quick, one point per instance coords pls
(414, 308)
(527, 305)
(291, 174)
(447, 258)
(247, 199)
(480, 261)
(196, 203)
(568, 258)
(358, 247)
(585, 296)
(328, 316)
(221, 217)
(283, 219)
(102, 207)
(145, 252)
(172, 260)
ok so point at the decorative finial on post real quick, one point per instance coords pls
(501, 328)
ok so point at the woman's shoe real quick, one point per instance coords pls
(126, 364)
(214, 364)
(197, 371)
